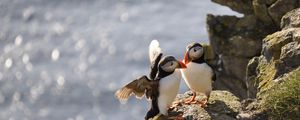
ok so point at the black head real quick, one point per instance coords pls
(194, 53)
(167, 65)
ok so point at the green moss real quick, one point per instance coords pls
(265, 78)
(283, 101)
(274, 42)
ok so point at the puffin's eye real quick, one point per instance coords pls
(171, 63)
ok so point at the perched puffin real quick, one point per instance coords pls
(198, 75)
(162, 87)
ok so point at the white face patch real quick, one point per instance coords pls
(169, 66)
(195, 52)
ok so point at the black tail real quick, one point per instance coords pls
(153, 110)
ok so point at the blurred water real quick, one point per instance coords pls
(64, 59)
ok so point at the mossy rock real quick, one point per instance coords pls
(283, 100)
(273, 43)
(222, 105)
(280, 99)
(291, 19)
(280, 56)
(265, 77)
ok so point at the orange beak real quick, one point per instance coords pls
(186, 58)
(181, 65)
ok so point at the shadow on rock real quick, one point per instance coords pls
(218, 110)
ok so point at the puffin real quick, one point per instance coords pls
(199, 74)
(162, 85)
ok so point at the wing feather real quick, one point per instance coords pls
(155, 54)
(137, 87)
(154, 50)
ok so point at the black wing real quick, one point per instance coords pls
(214, 76)
(154, 66)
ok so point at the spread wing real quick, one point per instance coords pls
(155, 54)
(138, 87)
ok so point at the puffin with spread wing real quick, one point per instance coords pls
(163, 85)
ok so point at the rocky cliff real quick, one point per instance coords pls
(236, 40)
(257, 58)
(274, 76)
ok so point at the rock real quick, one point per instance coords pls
(232, 66)
(266, 75)
(248, 21)
(241, 6)
(229, 83)
(235, 41)
(261, 11)
(240, 44)
(289, 58)
(251, 110)
(271, 11)
(273, 78)
(247, 47)
(222, 105)
(267, 2)
(280, 7)
(210, 55)
(244, 116)
(273, 43)
(291, 19)
(209, 52)
(251, 75)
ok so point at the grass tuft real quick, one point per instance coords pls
(283, 101)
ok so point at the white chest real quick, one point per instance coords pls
(170, 82)
(198, 77)
(168, 89)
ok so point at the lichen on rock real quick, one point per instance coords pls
(275, 74)
(222, 105)
(256, 51)
(273, 43)
(291, 20)
(280, 55)
(236, 40)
